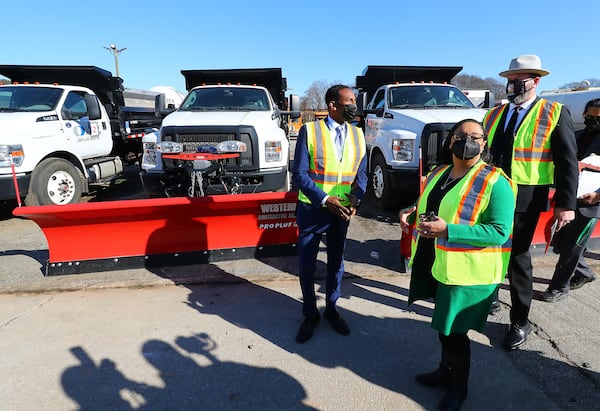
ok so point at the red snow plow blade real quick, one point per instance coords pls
(127, 234)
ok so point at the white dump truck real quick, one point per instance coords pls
(241, 111)
(407, 112)
(64, 128)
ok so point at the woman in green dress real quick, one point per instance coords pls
(460, 250)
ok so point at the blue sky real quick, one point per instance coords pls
(310, 40)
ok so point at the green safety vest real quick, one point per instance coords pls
(331, 175)
(464, 264)
(532, 161)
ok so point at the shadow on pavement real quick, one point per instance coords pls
(186, 384)
(387, 347)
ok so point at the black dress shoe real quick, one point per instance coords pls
(336, 321)
(579, 281)
(552, 296)
(516, 336)
(305, 332)
(495, 307)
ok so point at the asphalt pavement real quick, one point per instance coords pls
(221, 337)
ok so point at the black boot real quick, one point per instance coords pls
(437, 378)
(457, 387)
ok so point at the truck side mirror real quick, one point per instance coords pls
(160, 106)
(294, 106)
(93, 107)
(361, 103)
(293, 113)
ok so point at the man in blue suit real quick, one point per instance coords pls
(330, 172)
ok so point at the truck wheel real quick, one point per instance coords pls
(55, 181)
(380, 183)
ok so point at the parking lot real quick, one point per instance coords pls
(85, 330)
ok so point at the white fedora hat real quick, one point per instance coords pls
(527, 63)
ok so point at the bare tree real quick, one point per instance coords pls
(314, 99)
(467, 81)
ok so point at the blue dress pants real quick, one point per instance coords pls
(312, 224)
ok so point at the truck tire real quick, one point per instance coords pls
(55, 181)
(380, 183)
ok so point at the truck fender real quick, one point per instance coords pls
(73, 159)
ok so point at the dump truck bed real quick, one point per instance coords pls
(270, 78)
(374, 77)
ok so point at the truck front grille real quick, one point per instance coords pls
(194, 137)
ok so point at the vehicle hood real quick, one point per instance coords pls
(221, 118)
(14, 126)
(437, 115)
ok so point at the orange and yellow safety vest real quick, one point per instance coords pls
(459, 263)
(532, 162)
(332, 175)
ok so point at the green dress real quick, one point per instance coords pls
(459, 308)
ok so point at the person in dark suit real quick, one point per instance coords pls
(533, 141)
(330, 174)
(571, 271)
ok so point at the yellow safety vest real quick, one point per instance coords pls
(532, 161)
(464, 264)
(333, 176)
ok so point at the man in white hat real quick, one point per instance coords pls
(533, 141)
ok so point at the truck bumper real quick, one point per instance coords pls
(155, 183)
(7, 186)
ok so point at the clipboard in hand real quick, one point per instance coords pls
(550, 235)
(589, 175)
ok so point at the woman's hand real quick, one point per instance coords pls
(433, 229)
(403, 216)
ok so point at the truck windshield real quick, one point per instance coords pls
(411, 96)
(25, 98)
(226, 99)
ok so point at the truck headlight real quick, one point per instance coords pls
(17, 153)
(148, 146)
(232, 146)
(402, 150)
(273, 151)
(169, 147)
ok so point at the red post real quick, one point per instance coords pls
(14, 173)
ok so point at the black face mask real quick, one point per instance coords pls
(350, 111)
(592, 123)
(516, 89)
(466, 148)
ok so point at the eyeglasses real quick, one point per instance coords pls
(590, 117)
(473, 136)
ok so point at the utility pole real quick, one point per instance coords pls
(115, 51)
